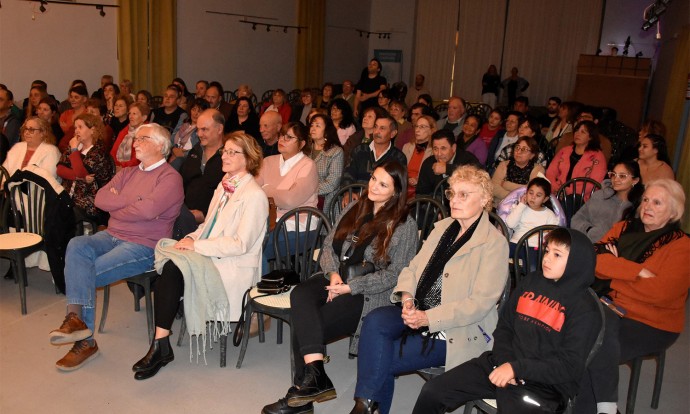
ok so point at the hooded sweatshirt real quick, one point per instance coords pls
(548, 327)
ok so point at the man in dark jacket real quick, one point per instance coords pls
(445, 160)
(366, 157)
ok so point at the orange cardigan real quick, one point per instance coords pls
(658, 301)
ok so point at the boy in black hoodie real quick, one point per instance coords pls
(543, 337)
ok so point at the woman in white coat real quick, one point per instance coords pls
(224, 251)
(37, 148)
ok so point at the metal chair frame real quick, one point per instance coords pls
(27, 200)
(426, 211)
(301, 260)
(572, 202)
(334, 208)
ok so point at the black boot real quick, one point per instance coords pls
(281, 406)
(159, 355)
(364, 406)
(316, 386)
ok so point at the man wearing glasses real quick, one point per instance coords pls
(143, 202)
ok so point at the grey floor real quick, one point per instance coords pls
(29, 382)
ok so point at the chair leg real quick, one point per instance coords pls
(660, 361)
(262, 328)
(279, 332)
(469, 405)
(19, 269)
(104, 311)
(245, 336)
(635, 368)
(223, 350)
(183, 330)
(149, 309)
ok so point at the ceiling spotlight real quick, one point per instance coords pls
(368, 34)
(102, 12)
(299, 30)
(268, 27)
(285, 29)
(380, 34)
(254, 26)
(43, 6)
(361, 33)
(639, 54)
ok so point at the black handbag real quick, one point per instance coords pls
(277, 281)
(348, 271)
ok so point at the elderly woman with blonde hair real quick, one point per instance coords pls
(448, 295)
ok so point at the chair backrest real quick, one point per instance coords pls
(573, 194)
(255, 101)
(266, 97)
(229, 96)
(156, 101)
(426, 211)
(440, 193)
(4, 200)
(335, 207)
(479, 109)
(28, 207)
(296, 250)
(498, 222)
(294, 96)
(525, 255)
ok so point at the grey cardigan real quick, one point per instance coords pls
(599, 213)
(378, 286)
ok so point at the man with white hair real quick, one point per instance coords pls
(143, 202)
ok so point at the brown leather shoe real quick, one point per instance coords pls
(72, 329)
(81, 352)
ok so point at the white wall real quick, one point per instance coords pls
(346, 53)
(396, 16)
(64, 43)
(219, 47)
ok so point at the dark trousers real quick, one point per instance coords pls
(624, 340)
(169, 290)
(470, 381)
(315, 322)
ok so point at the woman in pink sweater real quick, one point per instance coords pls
(582, 159)
(290, 178)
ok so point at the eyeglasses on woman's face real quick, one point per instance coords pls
(462, 195)
(622, 176)
(521, 148)
(230, 153)
(287, 137)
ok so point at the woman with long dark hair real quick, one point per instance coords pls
(243, 117)
(375, 229)
(653, 159)
(343, 119)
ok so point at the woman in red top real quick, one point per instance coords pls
(84, 167)
(123, 151)
(418, 151)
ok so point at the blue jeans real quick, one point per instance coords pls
(99, 260)
(379, 359)
(269, 251)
